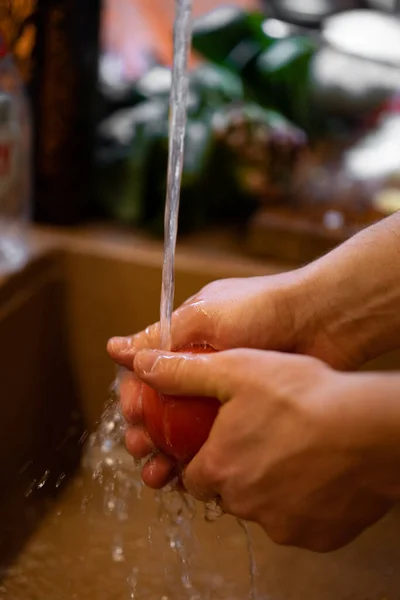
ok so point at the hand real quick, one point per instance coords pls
(332, 309)
(252, 312)
(306, 452)
(275, 312)
(259, 312)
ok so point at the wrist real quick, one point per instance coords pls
(332, 322)
(354, 293)
(365, 421)
(350, 305)
(292, 311)
(313, 310)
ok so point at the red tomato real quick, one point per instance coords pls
(178, 425)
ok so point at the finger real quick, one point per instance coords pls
(130, 392)
(212, 375)
(198, 479)
(138, 443)
(218, 374)
(123, 349)
(158, 471)
(190, 325)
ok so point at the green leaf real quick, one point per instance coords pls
(216, 85)
(123, 183)
(217, 33)
(283, 78)
(243, 57)
(283, 54)
(129, 207)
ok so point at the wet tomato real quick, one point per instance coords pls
(179, 425)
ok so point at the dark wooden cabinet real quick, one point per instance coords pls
(56, 44)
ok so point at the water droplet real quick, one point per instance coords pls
(110, 426)
(118, 552)
(85, 503)
(133, 582)
(43, 480)
(60, 480)
(111, 504)
(83, 437)
(107, 446)
(25, 467)
(31, 488)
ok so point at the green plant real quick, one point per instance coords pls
(250, 95)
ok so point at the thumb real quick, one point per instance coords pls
(208, 375)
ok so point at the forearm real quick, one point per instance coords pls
(352, 296)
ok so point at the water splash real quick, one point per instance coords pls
(176, 510)
(212, 511)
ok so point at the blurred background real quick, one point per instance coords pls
(293, 145)
(293, 139)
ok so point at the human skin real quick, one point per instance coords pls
(342, 309)
(309, 453)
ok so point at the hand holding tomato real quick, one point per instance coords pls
(293, 447)
(170, 428)
(252, 312)
(273, 312)
(176, 425)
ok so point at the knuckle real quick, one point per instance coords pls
(206, 290)
(137, 443)
(190, 300)
(211, 469)
(130, 401)
(193, 322)
(283, 533)
(280, 532)
(126, 408)
(152, 333)
(331, 539)
(177, 368)
(282, 537)
(237, 506)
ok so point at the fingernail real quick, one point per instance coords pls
(146, 360)
(118, 345)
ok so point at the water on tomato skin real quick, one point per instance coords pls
(179, 425)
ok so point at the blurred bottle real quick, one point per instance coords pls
(15, 163)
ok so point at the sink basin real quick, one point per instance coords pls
(67, 535)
